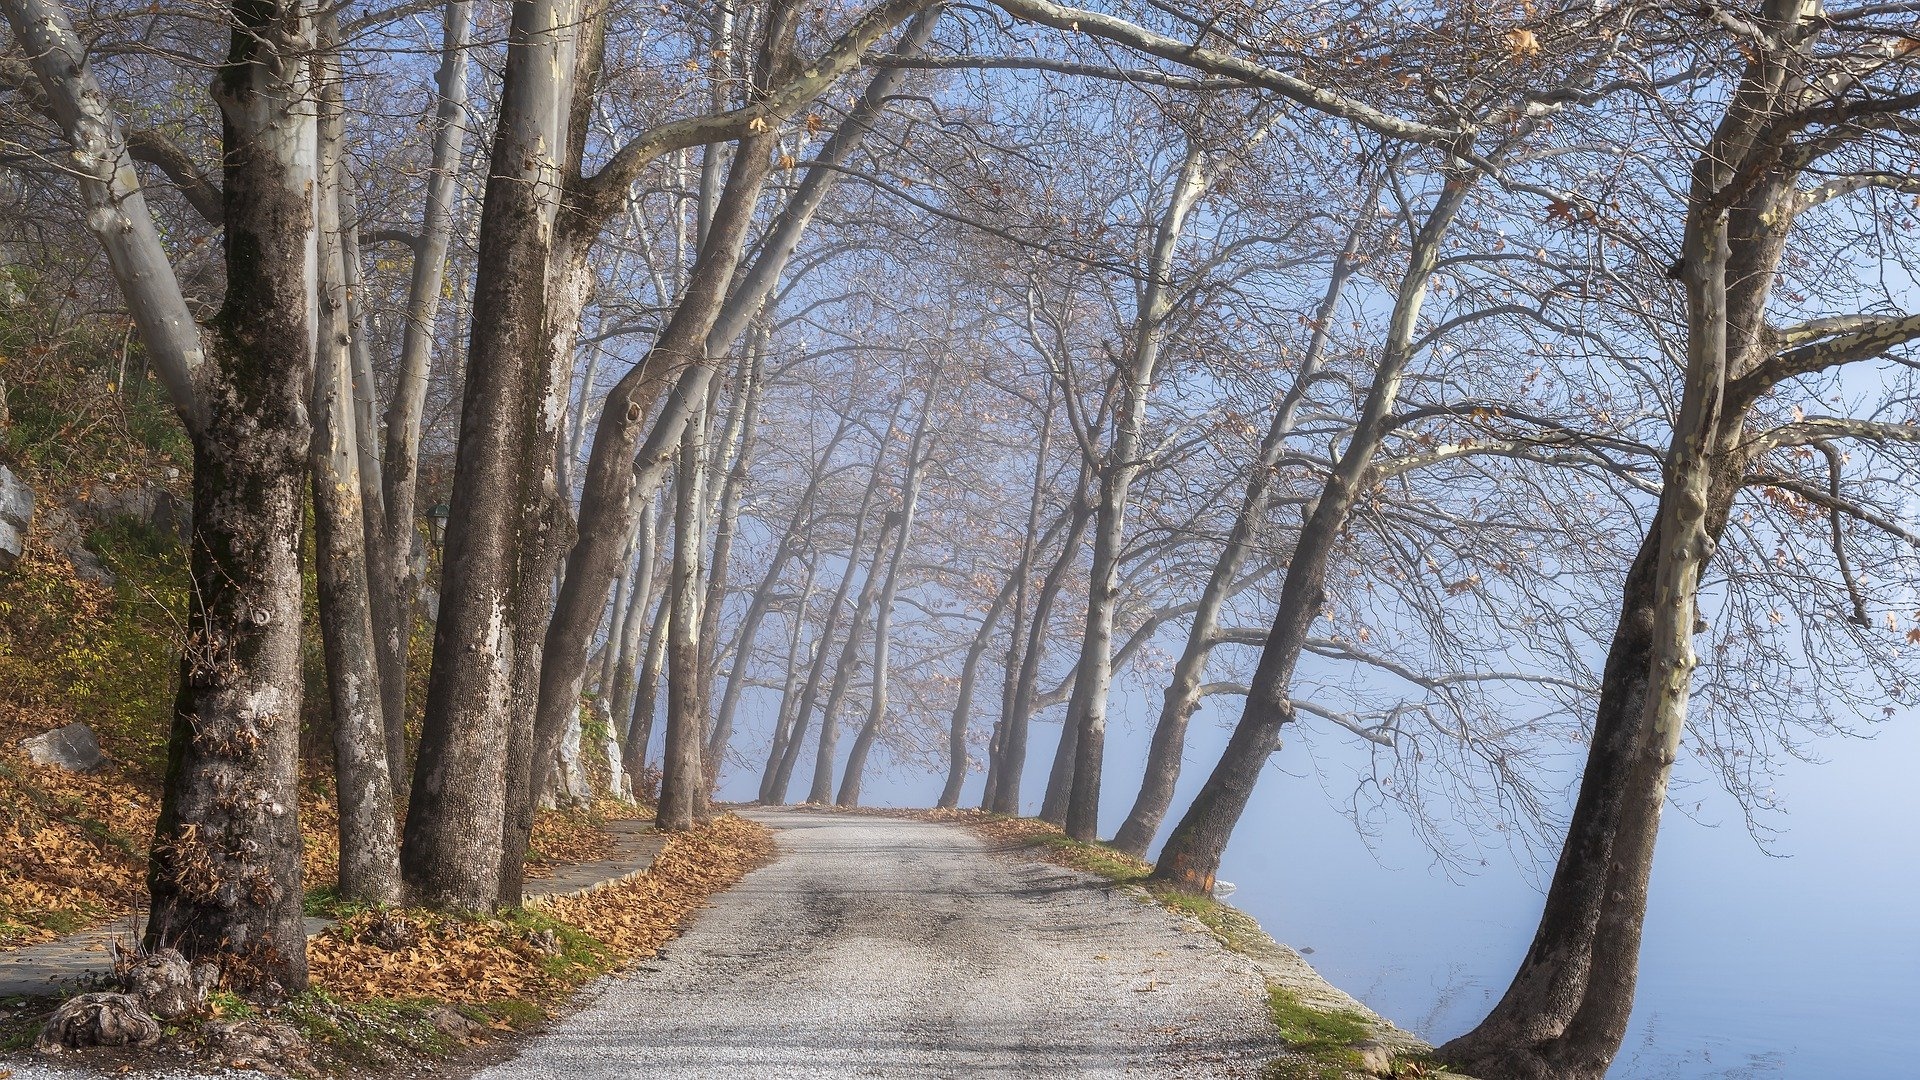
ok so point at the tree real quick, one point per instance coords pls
(225, 869)
(1804, 95)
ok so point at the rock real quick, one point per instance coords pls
(99, 1020)
(545, 942)
(16, 515)
(149, 504)
(257, 1044)
(449, 1022)
(63, 531)
(72, 748)
(165, 983)
(1375, 1057)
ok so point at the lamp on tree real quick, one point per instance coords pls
(437, 524)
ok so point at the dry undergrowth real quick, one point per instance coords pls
(544, 951)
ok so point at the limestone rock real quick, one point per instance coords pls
(16, 514)
(99, 1020)
(150, 504)
(453, 1024)
(72, 748)
(1375, 1057)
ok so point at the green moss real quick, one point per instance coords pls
(1116, 866)
(1320, 1042)
(580, 956)
(382, 1033)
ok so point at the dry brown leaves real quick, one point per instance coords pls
(576, 835)
(1018, 832)
(72, 848)
(473, 961)
(638, 916)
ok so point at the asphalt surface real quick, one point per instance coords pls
(881, 947)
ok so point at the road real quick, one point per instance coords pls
(882, 947)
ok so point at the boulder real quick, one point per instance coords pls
(16, 514)
(150, 504)
(99, 1020)
(72, 748)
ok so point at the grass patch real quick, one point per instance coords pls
(380, 1033)
(20, 1021)
(1320, 1042)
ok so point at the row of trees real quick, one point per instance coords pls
(816, 378)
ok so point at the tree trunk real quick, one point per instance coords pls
(608, 488)
(783, 718)
(453, 847)
(1012, 761)
(224, 875)
(917, 456)
(1087, 712)
(1565, 1013)
(117, 212)
(1192, 853)
(791, 541)
(732, 488)
(369, 849)
(1023, 575)
(683, 787)
(963, 700)
(646, 694)
(633, 636)
(776, 792)
(821, 791)
(225, 870)
(1182, 697)
(400, 463)
(391, 616)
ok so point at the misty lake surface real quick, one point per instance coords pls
(1799, 961)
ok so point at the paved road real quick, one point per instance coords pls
(879, 947)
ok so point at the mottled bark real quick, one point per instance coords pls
(225, 870)
(647, 691)
(369, 847)
(608, 489)
(683, 786)
(634, 627)
(117, 213)
(452, 852)
(400, 461)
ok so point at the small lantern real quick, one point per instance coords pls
(437, 524)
